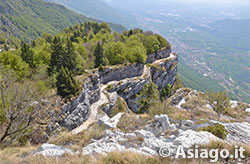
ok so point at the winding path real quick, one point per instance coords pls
(172, 56)
(94, 111)
(103, 100)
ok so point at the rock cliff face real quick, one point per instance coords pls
(162, 72)
(117, 74)
(162, 54)
(165, 71)
(124, 81)
(78, 111)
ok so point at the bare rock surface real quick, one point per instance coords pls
(238, 132)
(145, 142)
(160, 124)
(51, 150)
(110, 122)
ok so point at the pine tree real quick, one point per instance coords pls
(98, 55)
(63, 57)
(70, 58)
(57, 52)
(66, 84)
(27, 54)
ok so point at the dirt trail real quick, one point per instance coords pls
(94, 111)
(161, 60)
(94, 107)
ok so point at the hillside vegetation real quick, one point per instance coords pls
(29, 19)
(96, 9)
(50, 65)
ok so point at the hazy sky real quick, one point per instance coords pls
(240, 2)
(229, 2)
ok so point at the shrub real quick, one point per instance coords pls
(220, 101)
(120, 107)
(160, 108)
(109, 86)
(14, 62)
(148, 96)
(166, 91)
(101, 68)
(217, 130)
(2, 39)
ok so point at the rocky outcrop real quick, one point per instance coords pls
(112, 97)
(160, 125)
(110, 122)
(238, 132)
(162, 54)
(158, 133)
(123, 72)
(187, 124)
(78, 111)
(124, 81)
(128, 90)
(150, 140)
(164, 73)
(145, 142)
(51, 150)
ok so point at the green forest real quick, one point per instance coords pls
(55, 61)
(29, 19)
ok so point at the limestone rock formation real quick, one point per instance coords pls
(117, 74)
(50, 150)
(145, 142)
(238, 132)
(110, 122)
(187, 124)
(162, 54)
(78, 111)
(124, 81)
(160, 124)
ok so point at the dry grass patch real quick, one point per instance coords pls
(223, 145)
(121, 106)
(15, 153)
(66, 159)
(132, 122)
(193, 102)
(133, 158)
(77, 141)
(111, 158)
(161, 108)
(180, 114)
(171, 132)
(205, 113)
(127, 158)
(238, 112)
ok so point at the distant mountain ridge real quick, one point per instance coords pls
(29, 19)
(96, 9)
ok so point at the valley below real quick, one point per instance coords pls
(207, 62)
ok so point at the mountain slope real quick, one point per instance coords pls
(30, 18)
(97, 9)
